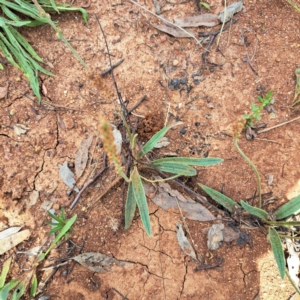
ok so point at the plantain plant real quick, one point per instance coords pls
(136, 198)
(272, 221)
(15, 48)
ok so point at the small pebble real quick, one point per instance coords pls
(183, 130)
(175, 62)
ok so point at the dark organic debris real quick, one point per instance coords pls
(176, 83)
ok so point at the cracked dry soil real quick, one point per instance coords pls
(75, 96)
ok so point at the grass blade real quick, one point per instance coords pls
(64, 230)
(175, 168)
(34, 284)
(7, 54)
(7, 288)
(130, 206)
(25, 44)
(220, 198)
(255, 211)
(277, 251)
(140, 198)
(290, 208)
(4, 271)
(155, 139)
(190, 161)
(19, 291)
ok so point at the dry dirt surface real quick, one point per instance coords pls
(256, 54)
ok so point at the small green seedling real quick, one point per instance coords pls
(178, 166)
(13, 45)
(58, 222)
(257, 109)
(206, 5)
(273, 221)
(18, 286)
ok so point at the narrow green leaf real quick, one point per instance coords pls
(54, 5)
(25, 44)
(286, 224)
(4, 271)
(9, 13)
(206, 5)
(255, 211)
(19, 291)
(64, 230)
(277, 251)
(220, 198)
(290, 208)
(7, 288)
(56, 218)
(175, 168)
(130, 206)
(155, 139)
(140, 198)
(7, 53)
(34, 284)
(1, 66)
(191, 161)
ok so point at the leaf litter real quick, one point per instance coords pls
(13, 240)
(207, 20)
(98, 262)
(184, 243)
(67, 176)
(167, 198)
(81, 156)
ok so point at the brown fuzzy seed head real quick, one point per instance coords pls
(238, 126)
(109, 144)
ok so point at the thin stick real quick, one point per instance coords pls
(124, 109)
(88, 183)
(165, 21)
(278, 125)
(112, 67)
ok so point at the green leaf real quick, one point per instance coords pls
(277, 251)
(4, 271)
(25, 44)
(220, 198)
(206, 5)
(290, 208)
(140, 198)
(190, 161)
(34, 284)
(19, 291)
(130, 206)
(7, 288)
(64, 230)
(255, 211)
(175, 168)
(155, 139)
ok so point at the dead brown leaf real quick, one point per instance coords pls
(81, 156)
(169, 199)
(208, 20)
(3, 91)
(174, 31)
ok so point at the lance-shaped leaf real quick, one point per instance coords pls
(130, 206)
(220, 198)
(255, 211)
(290, 208)
(190, 161)
(175, 168)
(7, 288)
(277, 250)
(4, 271)
(140, 198)
(19, 291)
(155, 139)
(34, 284)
